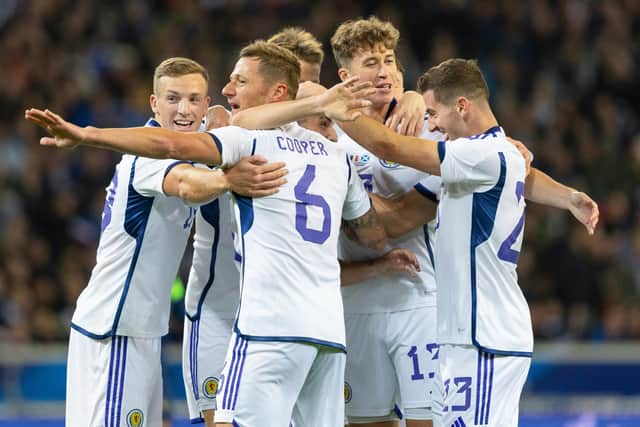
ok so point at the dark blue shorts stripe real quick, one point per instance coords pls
(244, 358)
(228, 387)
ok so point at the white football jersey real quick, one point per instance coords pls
(144, 233)
(288, 242)
(479, 233)
(392, 180)
(214, 278)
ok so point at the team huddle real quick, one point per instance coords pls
(354, 259)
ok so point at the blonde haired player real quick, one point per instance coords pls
(303, 215)
(114, 374)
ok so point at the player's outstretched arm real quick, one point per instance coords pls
(421, 154)
(404, 214)
(252, 176)
(407, 118)
(368, 230)
(342, 101)
(396, 261)
(541, 188)
(150, 142)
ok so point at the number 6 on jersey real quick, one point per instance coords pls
(305, 200)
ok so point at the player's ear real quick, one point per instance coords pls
(462, 105)
(280, 92)
(153, 102)
(343, 74)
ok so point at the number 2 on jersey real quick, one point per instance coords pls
(305, 200)
(108, 203)
(506, 252)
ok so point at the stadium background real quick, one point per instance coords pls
(563, 77)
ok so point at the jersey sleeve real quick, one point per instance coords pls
(148, 175)
(468, 166)
(430, 187)
(357, 202)
(233, 143)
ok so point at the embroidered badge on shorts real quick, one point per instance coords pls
(210, 387)
(347, 392)
(135, 418)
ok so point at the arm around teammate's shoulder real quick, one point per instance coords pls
(420, 154)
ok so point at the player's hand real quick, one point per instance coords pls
(63, 134)
(253, 176)
(217, 117)
(398, 261)
(585, 210)
(407, 118)
(343, 101)
(524, 151)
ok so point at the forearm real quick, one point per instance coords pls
(391, 216)
(541, 188)
(200, 186)
(368, 230)
(421, 154)
(276, 113)
(402, 215)
(157, 143)
(359, 271)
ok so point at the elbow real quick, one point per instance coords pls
(188, 193)
(185, 191)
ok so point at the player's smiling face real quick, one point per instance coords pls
(444, 118)
(181, 102)
(247, 87)
(376, 65)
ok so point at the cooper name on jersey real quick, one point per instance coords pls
(301, 146)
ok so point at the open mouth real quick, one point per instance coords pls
(183, 124)
(384, 86)
(234, 106)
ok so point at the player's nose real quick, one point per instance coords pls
(228, 90)
(183, 107)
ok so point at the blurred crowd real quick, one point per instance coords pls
(563, 79)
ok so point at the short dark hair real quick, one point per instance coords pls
(276, 63)
(453, 78)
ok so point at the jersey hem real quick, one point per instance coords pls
(496, 351)
(113, 333)
(303, 340)
(499, 352)
(394, 310)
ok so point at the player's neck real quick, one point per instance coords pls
(481, 122)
